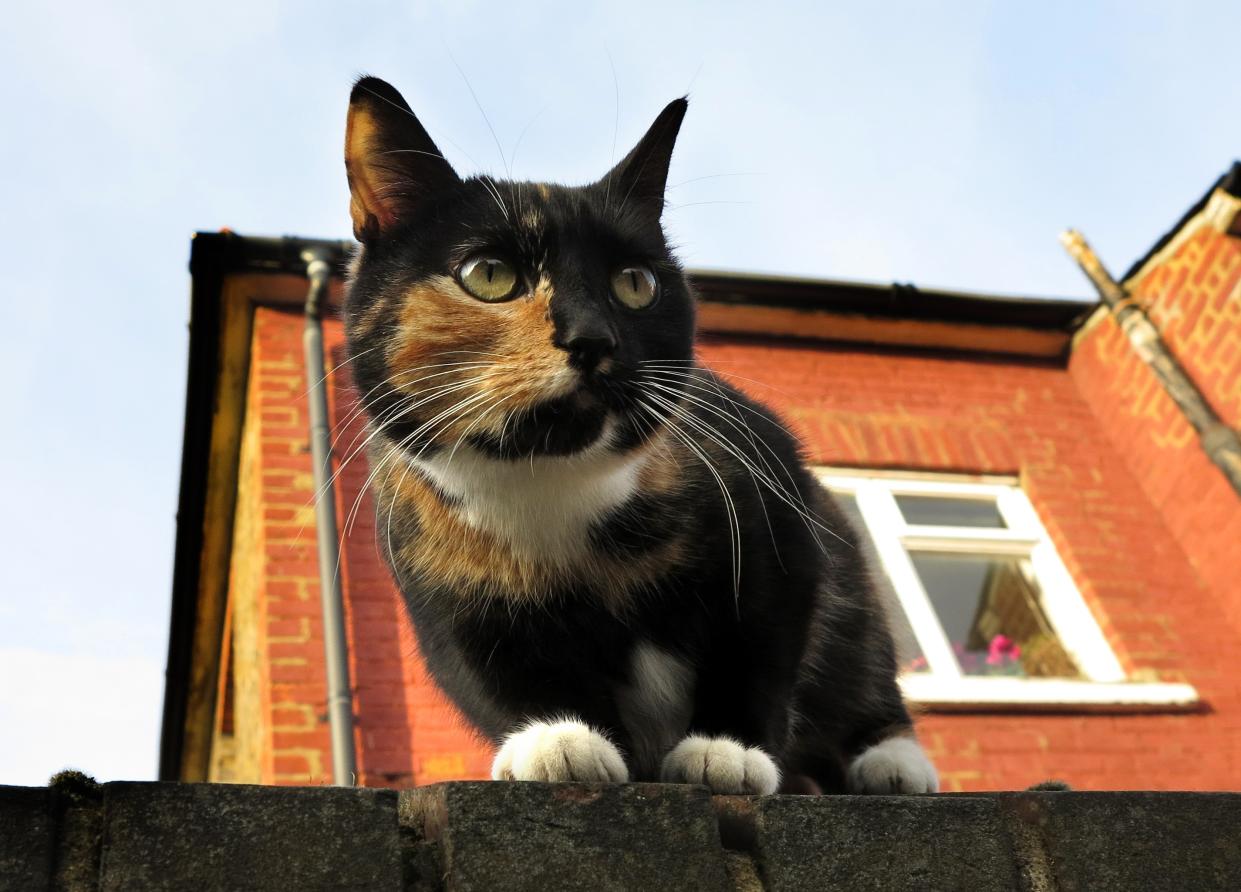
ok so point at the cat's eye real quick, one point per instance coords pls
(489, 278)
(635, 286)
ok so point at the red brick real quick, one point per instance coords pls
(291, 765)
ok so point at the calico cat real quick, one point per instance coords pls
(618, 567)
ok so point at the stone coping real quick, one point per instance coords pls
(76, 834)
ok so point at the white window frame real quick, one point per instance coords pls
(1104, 685)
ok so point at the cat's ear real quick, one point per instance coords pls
(391, 161)
(640, 177)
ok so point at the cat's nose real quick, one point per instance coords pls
(588, 342)
(587, 351)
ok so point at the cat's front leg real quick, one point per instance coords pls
(740, 712)
(727, 748)
(556, 750)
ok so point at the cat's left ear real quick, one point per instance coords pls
(640, 177)
(392, 163)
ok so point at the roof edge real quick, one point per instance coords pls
(227, 252)
(1229, 183)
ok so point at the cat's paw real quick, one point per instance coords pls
(895, 765)
(563, 750)
(722, 764)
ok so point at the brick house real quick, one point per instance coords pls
(1061, 554)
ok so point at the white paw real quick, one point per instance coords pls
(722, 764)
(895, 765)
(563, 750)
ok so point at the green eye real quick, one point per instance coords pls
(488, 278)
(635, 286)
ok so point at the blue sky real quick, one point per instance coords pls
(940, 143)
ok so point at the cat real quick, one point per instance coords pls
(618, 566)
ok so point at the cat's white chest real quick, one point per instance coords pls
(542, 507)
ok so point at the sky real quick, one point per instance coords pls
(944, 144)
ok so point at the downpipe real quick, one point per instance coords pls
(335, 642)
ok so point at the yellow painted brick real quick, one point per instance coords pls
(306, 718)
(1177, 438)
(301, 637)
(313, 757)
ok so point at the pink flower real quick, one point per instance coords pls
(1002, 649)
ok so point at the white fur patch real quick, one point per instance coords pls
(655, 705)
(895, 765)
(722, 764)
(563, 750)
(542, 507)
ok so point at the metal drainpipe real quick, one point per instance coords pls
(335, 644)
(1217, 439)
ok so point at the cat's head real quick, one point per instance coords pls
(516, 318)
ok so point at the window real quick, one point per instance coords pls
(982, 608)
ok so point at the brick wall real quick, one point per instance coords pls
(1193, 294)
(855, 407)
(274, 592)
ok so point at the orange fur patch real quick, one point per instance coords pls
(662, 475)
(366, 184)
(505, 358)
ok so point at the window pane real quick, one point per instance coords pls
(950, 512)
(989, 608)
(909, 656)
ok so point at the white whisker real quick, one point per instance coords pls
(729, 506)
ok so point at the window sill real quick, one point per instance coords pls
(1046, 695)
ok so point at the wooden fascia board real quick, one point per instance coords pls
(227, 416)
(720, 318)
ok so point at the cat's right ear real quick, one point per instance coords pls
(391, 162)
(641, 176)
